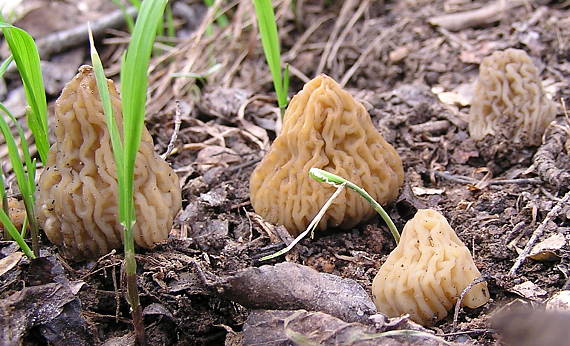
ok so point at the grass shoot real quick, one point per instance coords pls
(340, 183)
(271, 48)
(25, 54)
(134, 82)
(333, 179)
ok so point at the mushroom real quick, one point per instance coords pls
(509, 101)
(77, 194)
(324, 127)
(427, 271)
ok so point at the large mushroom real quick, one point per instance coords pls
(324, 127)
(77, 196)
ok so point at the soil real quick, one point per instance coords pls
(397, 64)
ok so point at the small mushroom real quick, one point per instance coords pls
(16, 211)
(427, 271)
(509, 101)
(324, 127)
(77, 195)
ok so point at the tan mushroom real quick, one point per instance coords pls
(509, 101)
(16, 212)
(427, 271)
(324, 127)
(77, 197)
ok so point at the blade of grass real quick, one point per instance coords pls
(110, 120)
(170, 29)
(5, 65)
(333, 179)
(134, 82)
(4, 198)
(27, 59)
(128, 19)
(11, 229)
(271, 48)
(26, 183)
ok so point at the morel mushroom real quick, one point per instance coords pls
(509, 101)
(427, 271)
(77, 197)
(324, 127)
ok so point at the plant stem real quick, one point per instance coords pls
(329, 178)
(4, 202)
(133, 294)
(34, 228)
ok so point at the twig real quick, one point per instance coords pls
(537, 233)
(177, 121)
(481, 16)
(62, 40)
(463, 332)
(461, 179)
(478, 280)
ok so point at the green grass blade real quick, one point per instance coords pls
(5, 65)
(170, 29)
(134, 82)
(103, 88)
(9, 226)
(27, 59)
(14, 155)
(25, 181)
(271, 48)
(4, 199)
(333, 179)
(128, 19)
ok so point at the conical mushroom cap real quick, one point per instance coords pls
(427, 271)
(509, 100)
(77, 191)
(324, 127)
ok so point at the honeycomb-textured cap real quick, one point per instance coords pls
(77, 195)
(324, 127)
(509, 101)
(427, 271)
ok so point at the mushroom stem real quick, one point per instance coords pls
(333, 179)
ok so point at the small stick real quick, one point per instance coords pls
(462, 295)
(177, 121)
(481, 16)
(65, 39)
(467, 180)
(538, 232)
(311, 227)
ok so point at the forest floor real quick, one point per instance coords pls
(415, 79)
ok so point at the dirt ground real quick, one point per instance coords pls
(415, 79)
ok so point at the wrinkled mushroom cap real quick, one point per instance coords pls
(427, 271)
(324, 127)
(509, 100)
(77, 196)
